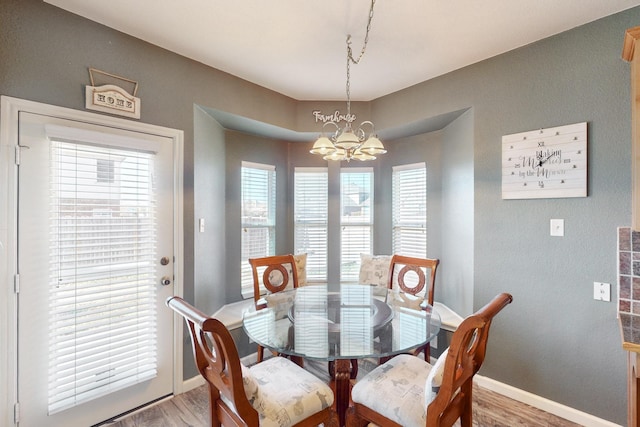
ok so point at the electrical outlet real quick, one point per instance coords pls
(602, 291)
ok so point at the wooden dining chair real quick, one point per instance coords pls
(255, 396)
(409, 392)
(272, 274)
(412, 282)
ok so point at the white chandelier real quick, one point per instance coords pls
(347, 143)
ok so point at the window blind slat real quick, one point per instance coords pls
(409, 213)
(356, 213)
(311, 219)
(102, 269)
(258, 217)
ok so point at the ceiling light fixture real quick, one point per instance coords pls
(347, 143)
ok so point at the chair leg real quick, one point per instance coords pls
(467, 412)
(260, 353)
(353, 420)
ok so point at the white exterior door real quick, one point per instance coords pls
(95, 264)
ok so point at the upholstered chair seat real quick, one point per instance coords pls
(404, 381)
(283, 393)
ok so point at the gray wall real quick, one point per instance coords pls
(554, 340)
(457, 213)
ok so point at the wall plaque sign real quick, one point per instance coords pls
(334, 117)
(111, 98)
(545, 163)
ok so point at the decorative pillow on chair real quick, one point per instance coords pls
(434, 380)
(374, 270)
(301, 268)
(280, 303)
(401, 299)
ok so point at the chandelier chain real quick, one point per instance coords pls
(350, 57)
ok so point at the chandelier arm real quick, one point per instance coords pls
(330, 123)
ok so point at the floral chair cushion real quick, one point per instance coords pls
(396, 390)
(287, 393)
(374, 270)
(301, 267)
(250, 385)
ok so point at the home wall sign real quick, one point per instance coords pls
(111, 98)
(545, 163)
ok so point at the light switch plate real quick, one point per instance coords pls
(557, 227)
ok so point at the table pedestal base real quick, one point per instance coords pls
(342, 385)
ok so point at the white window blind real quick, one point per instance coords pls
(410, 210)
(258, 211)
(356, 220)
(102, 289)
(310, 219)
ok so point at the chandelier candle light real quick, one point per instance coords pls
(347, 143)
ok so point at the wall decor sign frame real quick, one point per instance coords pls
(545, 163)
(110, 98)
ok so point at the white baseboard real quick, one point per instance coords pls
(543, 404)
(191, 383)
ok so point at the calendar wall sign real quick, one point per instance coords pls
(545, 163)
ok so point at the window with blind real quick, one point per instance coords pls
(310, 219)
(409, 212)
(356, 220)
(102, 290)
(258, 212)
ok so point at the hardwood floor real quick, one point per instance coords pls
(490, 409)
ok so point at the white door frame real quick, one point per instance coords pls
(9, 111)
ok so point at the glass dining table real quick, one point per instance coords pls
(339, 326)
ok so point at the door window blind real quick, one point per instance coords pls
(310, 219)
(409, 214)
(356, 220)
(102, 288)
(258, 212)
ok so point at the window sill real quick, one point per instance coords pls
(231, 314)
